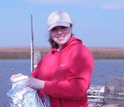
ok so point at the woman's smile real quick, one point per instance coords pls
(60, 37)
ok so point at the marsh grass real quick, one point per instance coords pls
(99, 53)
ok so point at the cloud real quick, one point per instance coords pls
(113, 5)
(102, 4)
(56, 2)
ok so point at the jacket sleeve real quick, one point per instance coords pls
(78, 78)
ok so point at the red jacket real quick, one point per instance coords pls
(66, 74)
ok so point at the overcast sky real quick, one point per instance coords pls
(96, 22)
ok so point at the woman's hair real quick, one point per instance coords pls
(52, 43)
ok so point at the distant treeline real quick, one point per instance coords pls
(99, 53)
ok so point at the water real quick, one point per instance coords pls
(6, 66)
(102, 69)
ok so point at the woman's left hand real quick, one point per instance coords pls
(35, 83)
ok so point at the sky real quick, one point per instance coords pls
(96, 22)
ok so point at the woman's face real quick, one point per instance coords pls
(61, 35)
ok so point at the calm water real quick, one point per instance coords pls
(102, 69)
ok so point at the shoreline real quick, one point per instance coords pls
(99, 53)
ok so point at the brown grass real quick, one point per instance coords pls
(20, 52)
(108, 52)
(97, 52)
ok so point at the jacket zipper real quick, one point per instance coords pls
(60, 102)
(59, 57)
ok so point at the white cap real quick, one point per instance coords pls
(58, 18)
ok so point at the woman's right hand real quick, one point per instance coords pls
(15, 76)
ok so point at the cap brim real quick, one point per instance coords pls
(66, 24)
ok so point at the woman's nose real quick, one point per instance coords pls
(59, 31)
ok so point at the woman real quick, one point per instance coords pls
(64, 73)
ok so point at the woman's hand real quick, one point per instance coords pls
(35, 83)
(15, 76)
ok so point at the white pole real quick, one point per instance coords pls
(32, 47)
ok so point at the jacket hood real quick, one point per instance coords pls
(72, 41)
